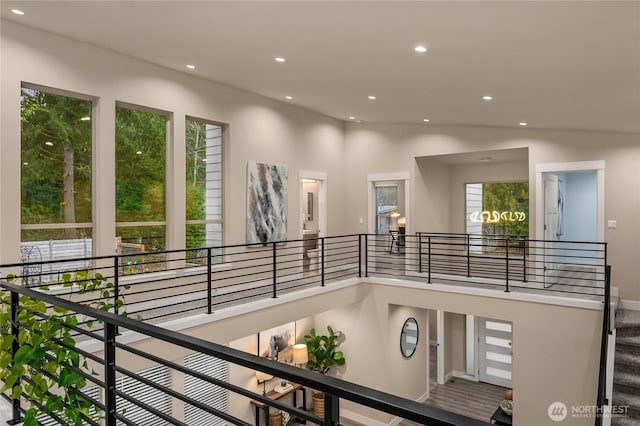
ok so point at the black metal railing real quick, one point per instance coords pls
(607, 330)
(111, 364)
(176, 283)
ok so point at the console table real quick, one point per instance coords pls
(273, 395)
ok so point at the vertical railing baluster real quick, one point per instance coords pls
(429, 258)
(116, 285)
(15, 345)
(525, 243)
(359, 255)
(419, 252)
(366, 255)
(468, 255)
(275, 272)
(322, 261)
(331, 410)
(110, 373)
(506, 257)
(209, 284)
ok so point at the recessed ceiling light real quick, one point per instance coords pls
(420, 49)
(191, 67)
(371, 97)
(85, 119)
(138, 152)
(288, 97)
(18, 12)
(426, 120)
(351, 118)
(523, 123)
(487, 98)
(280, 59)
(48, 143)
(359, 121)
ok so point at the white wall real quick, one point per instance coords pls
(379, 148)
(259, 129)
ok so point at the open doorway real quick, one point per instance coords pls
(313, 216)
(569, 208)
(570, 201)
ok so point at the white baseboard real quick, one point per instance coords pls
(448, 376)
(462, 375)
(423, 398)
(368, 421)
(632, 305)
(359, 418)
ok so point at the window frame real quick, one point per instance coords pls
(93, 100)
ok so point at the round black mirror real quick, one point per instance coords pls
(409, 338)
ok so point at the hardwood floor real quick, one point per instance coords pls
(472, 399)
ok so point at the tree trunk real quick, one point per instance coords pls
(68, 200)
(195, 155)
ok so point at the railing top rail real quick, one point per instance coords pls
(465, 234)
(184, 250)
(379, 400)
(504, 237)
(445, 235)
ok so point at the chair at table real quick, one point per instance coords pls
(397, 238)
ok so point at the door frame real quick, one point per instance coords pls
(543, 168)
(321, 178)
(483, 362)
(371, 184)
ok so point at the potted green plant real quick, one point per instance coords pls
(323, 354)
(45, 367)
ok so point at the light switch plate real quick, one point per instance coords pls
(612, 224)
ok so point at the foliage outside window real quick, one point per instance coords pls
(203, 186)
(497, 209)
(56, 149)
(140, 180)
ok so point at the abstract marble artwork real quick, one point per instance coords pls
(266, 203)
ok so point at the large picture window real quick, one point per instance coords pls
(140, 180)
(495, 211)
(56, 176)
(203, 184)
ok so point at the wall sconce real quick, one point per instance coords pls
(263, 377)
(300, 354)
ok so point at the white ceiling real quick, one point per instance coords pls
(555, 65)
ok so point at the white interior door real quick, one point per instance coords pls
(550, 225)
(550, 207)
(495, 352)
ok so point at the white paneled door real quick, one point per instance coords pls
(495, 352)
(551, 232)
